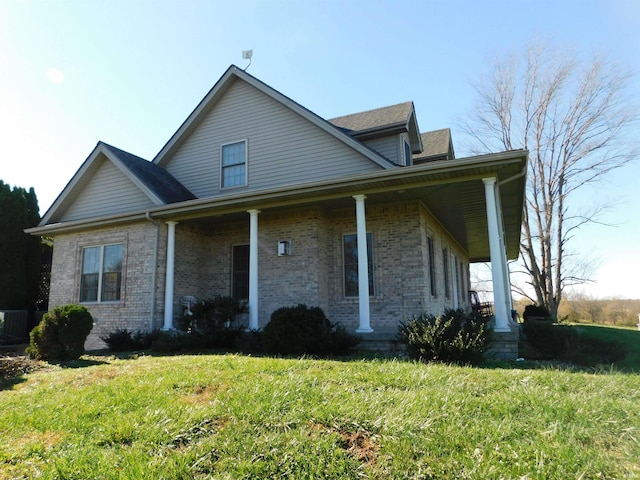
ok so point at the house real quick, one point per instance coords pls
(259, 198)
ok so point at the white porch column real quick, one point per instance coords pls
(497, 257)
(363, 267)
(505, 266)
(168, 286)
(253, 269)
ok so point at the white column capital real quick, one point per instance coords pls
(171, 222)
(489, 180)
(253, 212)
(360, 197)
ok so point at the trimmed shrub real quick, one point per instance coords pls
(170, 341)
(454, 336)
(250, 342)
(305, 330)
(551, 341)
(211, 323)
(61, 333)
(211, 315)
(536, 312)
(127, 341)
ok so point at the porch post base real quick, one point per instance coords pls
(364, 330)
(504, 345)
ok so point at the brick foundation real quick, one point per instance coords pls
(504, 345)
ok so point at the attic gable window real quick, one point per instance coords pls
(101, 277)
(234, 164)
(407, 153)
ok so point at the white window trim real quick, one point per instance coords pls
(404, 140)
(100, 273)
(246, 164)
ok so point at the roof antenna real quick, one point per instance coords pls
(246, 55)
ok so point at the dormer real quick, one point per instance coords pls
(391, 131)
(437, 145)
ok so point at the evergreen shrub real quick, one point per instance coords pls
(211, 323)
(305, 330)
(454, 336)
(61, 334)
(552, 341)
(127, 341)
(536, 312)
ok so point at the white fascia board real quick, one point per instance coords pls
(317, 121)
(227, 77)
(99, 149)
(193, 117)
(72, 185)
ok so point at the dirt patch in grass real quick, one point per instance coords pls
(361, 444)
(203, 394)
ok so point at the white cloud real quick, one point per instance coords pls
(55, 76)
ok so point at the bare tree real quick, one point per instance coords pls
(574, 119)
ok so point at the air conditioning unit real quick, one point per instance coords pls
(284, 248)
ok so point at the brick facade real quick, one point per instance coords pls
(134, 310)
(312, 274)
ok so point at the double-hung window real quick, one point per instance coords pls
(447, 272)
(101, 277)
(234, 164)
(350, 250)
(432, 266)
(240, 272)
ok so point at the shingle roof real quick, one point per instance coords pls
(156, 178)
(378, 118)
(434, 143)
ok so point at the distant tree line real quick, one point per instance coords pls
(24, 259)
(580, 308)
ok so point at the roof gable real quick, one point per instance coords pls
(382, 121)
(214, 95)
(111, 180)
(437, 146)
(155, 179)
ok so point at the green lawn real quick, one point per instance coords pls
(627, 337)
(232, 416)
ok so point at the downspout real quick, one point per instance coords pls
(514, 177)
(155, 270)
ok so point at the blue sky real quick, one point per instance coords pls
(128, 72)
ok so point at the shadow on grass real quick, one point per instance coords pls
(79, 363)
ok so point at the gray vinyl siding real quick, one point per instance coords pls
(108, 191)
(387, 147)
(283, 147)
